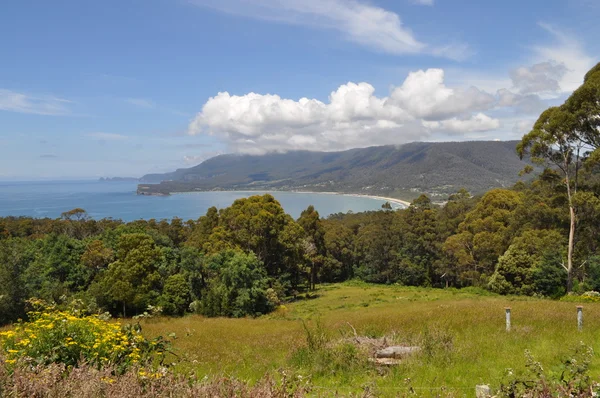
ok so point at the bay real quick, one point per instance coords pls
(118, 200)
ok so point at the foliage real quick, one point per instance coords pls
(239, 288)
(540, 237)
(587, 297)
(518, 267)
(573, 379)
(70, 338)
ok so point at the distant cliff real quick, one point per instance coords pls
(402, 171)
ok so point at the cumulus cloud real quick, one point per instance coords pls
(425, 95)
(33, 104)
(477, 123)
(352, 117)
(359, 22)
(355, 116)
(257, 123)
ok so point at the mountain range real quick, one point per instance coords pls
(434, 168)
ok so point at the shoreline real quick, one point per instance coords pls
(395, 201)
(359, 195)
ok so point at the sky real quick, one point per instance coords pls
(127, 87)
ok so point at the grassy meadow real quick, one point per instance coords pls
(461, 332)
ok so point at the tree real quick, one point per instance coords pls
(15, 256)
(193, 267)
(133, 280)
(57, 271)
(97, 256)
(584, 105)
(239, 287)
(376, 245)
(483, 236)
(517, 268)
(555, 142)
(314, 243)
(340, 260)
(259, 224)
(77, 214)
(176, 295)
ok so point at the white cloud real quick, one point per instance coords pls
(567, 51)
(106, 136)
(359, 22)
(424, 106)
(352, 117)
(477, 123)
(33, 104)
(425, 95)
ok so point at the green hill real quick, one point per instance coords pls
(403, 171)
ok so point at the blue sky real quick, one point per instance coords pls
(123, 88)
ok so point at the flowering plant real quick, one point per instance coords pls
(68, 337)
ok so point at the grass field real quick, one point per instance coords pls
(462, 333)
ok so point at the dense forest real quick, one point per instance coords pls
(540, 237)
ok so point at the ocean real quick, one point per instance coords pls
(118, 200)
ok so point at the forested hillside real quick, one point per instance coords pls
(539, 237)
(437, 169)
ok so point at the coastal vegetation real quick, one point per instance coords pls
(326, 291)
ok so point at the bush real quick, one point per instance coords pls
(587, 297)
(53, 336)
(571, 381)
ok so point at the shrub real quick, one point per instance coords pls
(587, 297)
(53, 336)
(572, 380)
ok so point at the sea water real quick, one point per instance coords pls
(118, 200)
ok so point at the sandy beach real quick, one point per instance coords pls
(391, 200)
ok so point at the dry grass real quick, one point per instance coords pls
(463, 331)
(55, 381)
